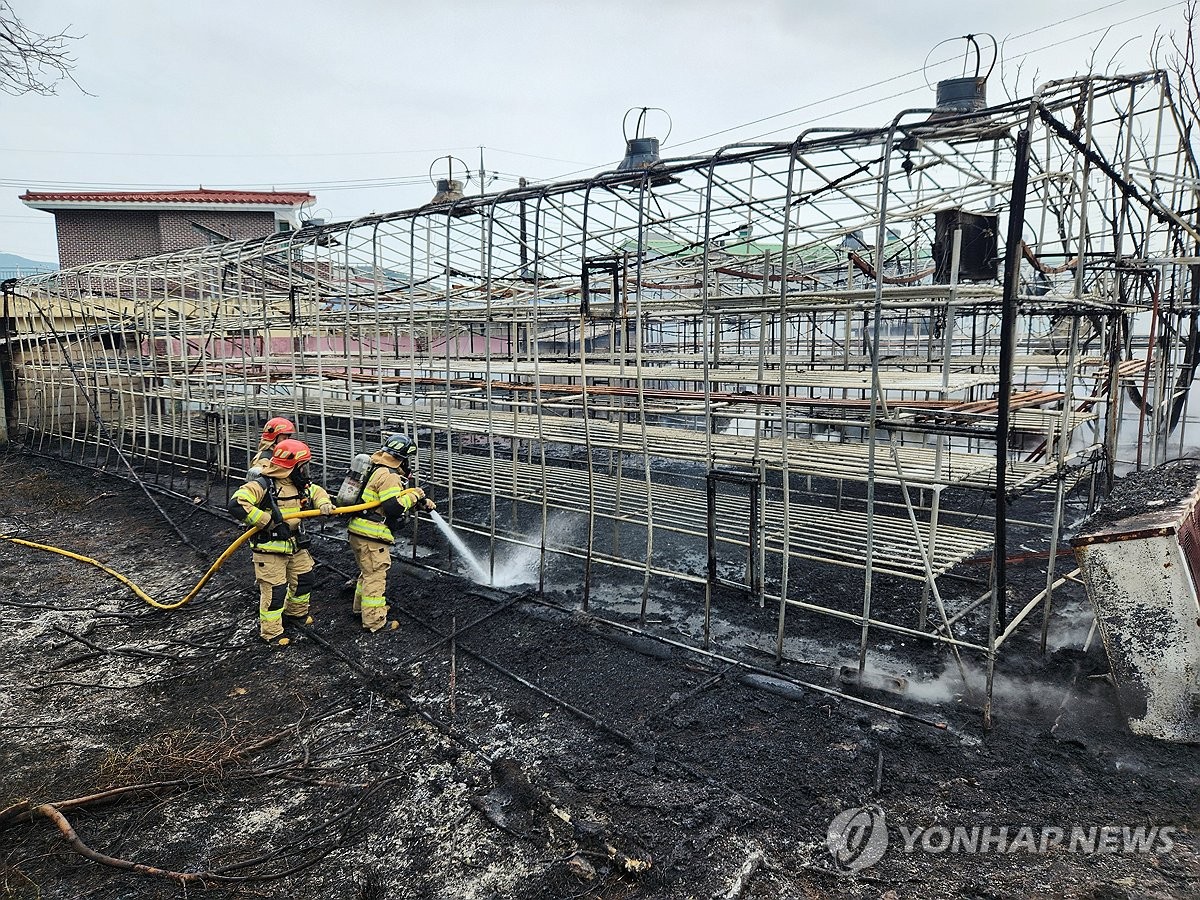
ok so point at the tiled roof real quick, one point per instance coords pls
(202, 196)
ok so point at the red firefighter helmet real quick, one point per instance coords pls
(290, 453)
(277, 427)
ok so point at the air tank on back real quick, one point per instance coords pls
(351, 490)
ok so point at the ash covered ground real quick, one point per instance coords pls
(559, 758)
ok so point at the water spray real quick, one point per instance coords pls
(478, 572)
(515, 569)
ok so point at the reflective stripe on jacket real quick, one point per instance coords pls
(288, 496)
(252, 497)
(383, 485)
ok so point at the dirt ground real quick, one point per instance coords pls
(548, 756)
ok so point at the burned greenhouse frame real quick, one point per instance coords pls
(786, 317)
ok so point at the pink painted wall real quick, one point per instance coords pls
(238, 347)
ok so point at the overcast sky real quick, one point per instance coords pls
(354, 99)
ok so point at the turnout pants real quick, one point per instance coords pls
(271, 576)
(300, 583)
(373, 560)
(284, 587)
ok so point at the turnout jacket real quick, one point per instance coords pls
(259, 497)
(386, 485)
(263, 456)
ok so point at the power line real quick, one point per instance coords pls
(1104, 28)
(389, 182)
(336, 155)
(572, 162)
(419, 179)
(884, 81)
(893, 78)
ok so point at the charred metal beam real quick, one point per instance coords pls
(1008, 320)
(1152, 205)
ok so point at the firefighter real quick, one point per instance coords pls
(390, 481)
(276, 430)
(283, 567)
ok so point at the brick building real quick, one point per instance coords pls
(98, 226)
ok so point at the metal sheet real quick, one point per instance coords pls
(1149, 619)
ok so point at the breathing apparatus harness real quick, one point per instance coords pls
(378, 514)
(362, 469)
(279, 530)
(300, 480)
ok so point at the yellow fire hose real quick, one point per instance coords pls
(212, 570)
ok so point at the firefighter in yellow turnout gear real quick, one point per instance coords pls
(276, 430)
(370, 532)
(283, 567)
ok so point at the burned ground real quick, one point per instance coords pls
(558, 757)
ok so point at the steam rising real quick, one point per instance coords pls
(515, 563)
(949, 686)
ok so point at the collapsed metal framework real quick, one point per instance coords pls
(779, 357)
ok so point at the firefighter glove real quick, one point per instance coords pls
(327, 508)
(430, 506)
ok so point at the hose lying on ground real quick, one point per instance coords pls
(212, 570)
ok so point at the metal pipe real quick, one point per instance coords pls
(997, 614)
(877, 399)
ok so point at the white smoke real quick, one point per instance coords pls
(950, 686)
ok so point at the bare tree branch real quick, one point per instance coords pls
(32, 62)
(84, 850)
(1182, 63)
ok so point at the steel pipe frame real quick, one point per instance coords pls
(154, 419)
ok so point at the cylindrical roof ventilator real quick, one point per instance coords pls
(960, 96)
